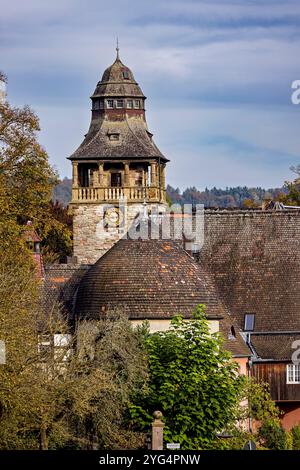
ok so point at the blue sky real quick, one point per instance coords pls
(217, 75)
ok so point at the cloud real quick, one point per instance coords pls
(217, 74)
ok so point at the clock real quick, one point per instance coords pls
(113, 217)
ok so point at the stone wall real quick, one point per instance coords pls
(91, 238)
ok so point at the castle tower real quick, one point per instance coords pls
(118, 171)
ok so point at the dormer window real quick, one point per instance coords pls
(137, 104)
(249, 320)
(110, 104)
(113, 136)
(126, 74)
(120, 103)
(129, 104)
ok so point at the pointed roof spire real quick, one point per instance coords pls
(117, 49)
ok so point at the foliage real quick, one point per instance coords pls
(272, 436)
(296, 437)
(27, 180)
(51, 399)
(192, 381)
(292, 190)
(261, 406)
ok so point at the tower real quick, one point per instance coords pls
(118, 171)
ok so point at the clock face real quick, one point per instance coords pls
(113, 217)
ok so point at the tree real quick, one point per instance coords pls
(193, 381)
(27, 180)
(52, 394)
(292, 198)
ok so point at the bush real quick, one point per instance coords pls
(296, 437)
(272, 436)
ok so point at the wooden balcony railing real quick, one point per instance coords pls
(114, 194)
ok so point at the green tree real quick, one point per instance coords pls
(292, 188)
(193, 381)
(296, 437)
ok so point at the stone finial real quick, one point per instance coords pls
(157, 431)
(157, 415)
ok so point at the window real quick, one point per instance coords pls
(293, 374)
(137, 104)
(116, 180)
(120, 103)
(113, 136)
(126, 74)
(249, 322)
(129, 104)
(110, 104)
(96, 104)
(101, 104)
(232, 334)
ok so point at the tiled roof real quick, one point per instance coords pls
(233, 340)
(255, 259)
(148, 279)
(275, 346)
(134, 141)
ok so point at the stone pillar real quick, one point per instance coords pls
(75, 174)
(126, 174)
(157, 431)
(163, 177)
(153, 174)
(100, 174)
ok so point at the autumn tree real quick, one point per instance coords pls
(292, 196)
(27, 179)
(52, 393)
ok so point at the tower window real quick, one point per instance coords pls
(137, 104)
(96, 104)
(129, 104)
(113, 136)
(120, 103)
(110, 104)
(126, 74)
(101, 104)
(249, 322)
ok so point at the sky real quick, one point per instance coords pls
(217, 74)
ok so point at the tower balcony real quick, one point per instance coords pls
(139, 194)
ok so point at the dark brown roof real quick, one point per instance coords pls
(147, 279)
(275, 346)
(255, 259)
(134, 141)
(233, 340)
(113, 82)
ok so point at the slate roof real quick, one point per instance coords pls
(113, 82)
(274, 346)
(135, 141)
